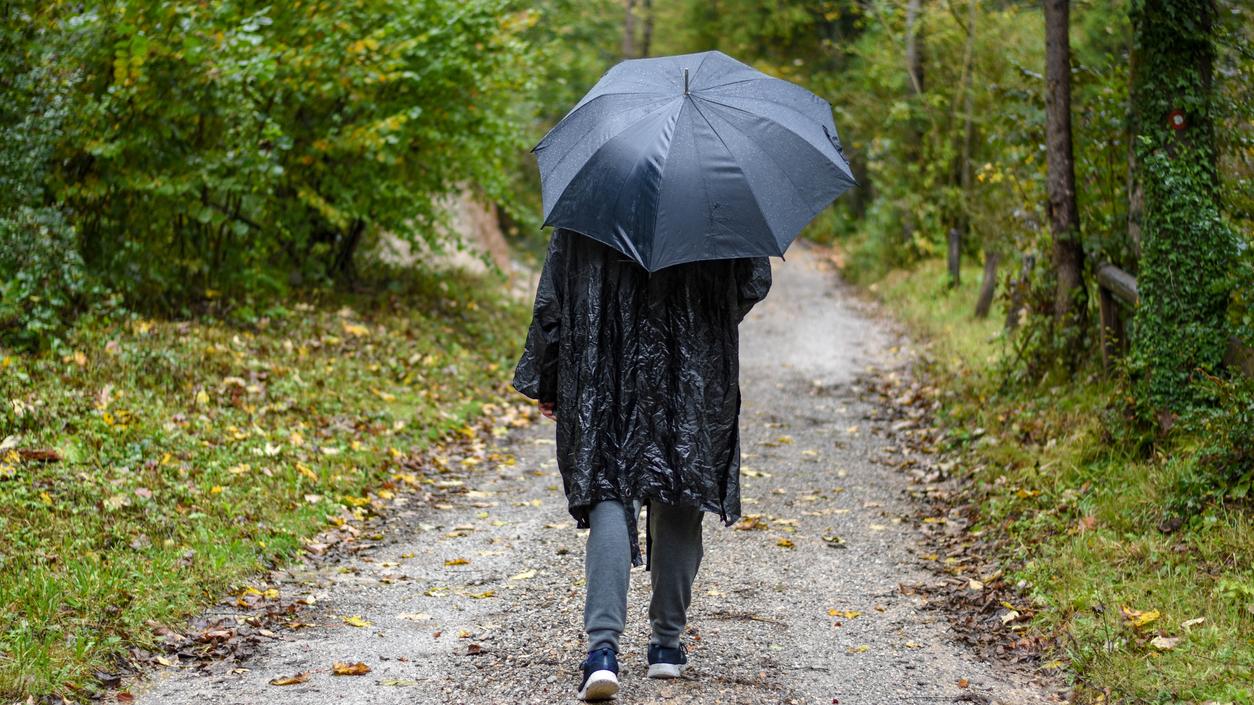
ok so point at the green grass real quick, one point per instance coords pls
(196, 453)
(1080, 508)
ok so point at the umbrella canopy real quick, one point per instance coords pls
(694, 157)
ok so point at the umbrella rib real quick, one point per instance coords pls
(736, 83)
(770, 155)
(581, 169)
(580, 141)
(661, 177)
(581, 107)
(748, 184)
(698, 69)
(785, 107)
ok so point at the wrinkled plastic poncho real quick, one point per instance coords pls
(643, 372)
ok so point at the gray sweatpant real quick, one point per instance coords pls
(676, 555)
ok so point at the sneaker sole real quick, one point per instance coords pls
(601, 685)
(665, 670)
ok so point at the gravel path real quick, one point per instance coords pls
(809, 607)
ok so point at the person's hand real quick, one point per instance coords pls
(547, 408)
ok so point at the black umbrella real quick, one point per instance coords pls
(682, 158)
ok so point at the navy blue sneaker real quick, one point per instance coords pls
(600, 675)
(666, 661)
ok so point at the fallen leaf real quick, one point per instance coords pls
(349, 669)
(414, 616)
(356, 621)
(752, 522)
(398, 682)
(785, 543)
(963, 683)
(859, 649)
(1190, 623)
(1009, 616)
(291, 680)
(456, 561)
(525, 575)
(847, 614)
(974, 584)
(1137, 618)
(482, 595)
(1164, 643)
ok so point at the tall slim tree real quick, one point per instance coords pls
(629, 29)
(1070, 295)
(646, 36)
(915, 128)
(1187, 251)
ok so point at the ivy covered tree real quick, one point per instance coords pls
(1188, 251)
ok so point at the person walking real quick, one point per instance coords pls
(640, 371)
(668, 185)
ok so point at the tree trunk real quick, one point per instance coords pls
(914, 48)
(1188, 250)
(914, 70)
(988, 286)
(1070, 295)
(629, 29)
(646, 38)
(955, 257)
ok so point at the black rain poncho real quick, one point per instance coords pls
(643, 371)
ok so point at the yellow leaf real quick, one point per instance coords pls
(303, 469)
(349, 669)
(356, 621)
(291, 680)
(355, 330)
(1138, 619)
(525, 575)
(482, 595)
(202, 399)
(847, 614)
(859, 649)
(784, 543)
(456, 561)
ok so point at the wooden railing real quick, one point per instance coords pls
(1117, 290)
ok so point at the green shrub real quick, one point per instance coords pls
(237, 148)
(42, 278)
(1221, 469)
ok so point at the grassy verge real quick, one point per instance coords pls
(1144, 613)
(194, 453)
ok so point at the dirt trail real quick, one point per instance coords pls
(835, 535)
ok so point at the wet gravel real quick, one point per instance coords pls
(812, 605)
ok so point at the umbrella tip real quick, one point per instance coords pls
(685, 81)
